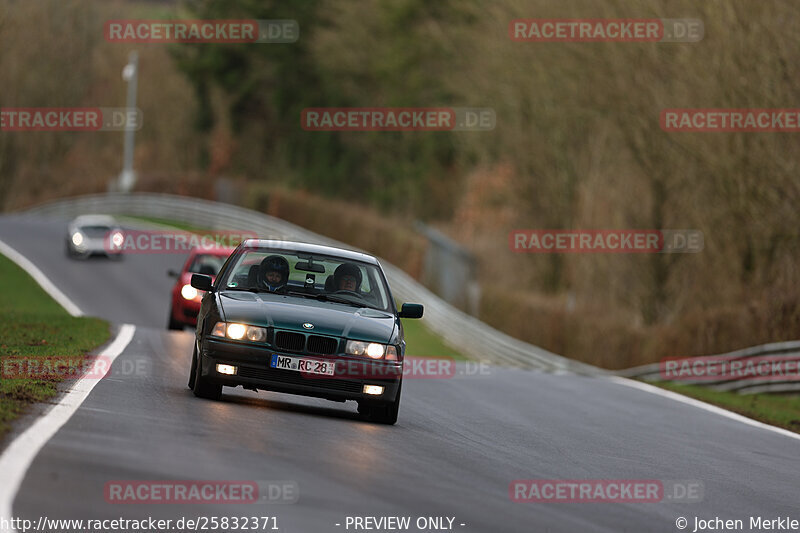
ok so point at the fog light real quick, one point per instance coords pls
(375, 390)
(226, 369)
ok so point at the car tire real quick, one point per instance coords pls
(174, 324)
(203, 388)
(193, 371)
(381, 412)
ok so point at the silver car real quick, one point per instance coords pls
(94, 235)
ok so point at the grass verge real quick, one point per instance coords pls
(422, 342)
(775, 409)
(33, 326)
(163, 222)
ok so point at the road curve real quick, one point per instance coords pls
(458, 444)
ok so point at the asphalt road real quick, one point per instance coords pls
(458, 444)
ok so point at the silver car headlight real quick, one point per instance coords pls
(373, 350)
(117, 239)
(239, 332)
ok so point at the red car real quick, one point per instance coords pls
(185, 298)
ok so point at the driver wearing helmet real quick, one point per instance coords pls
(274, 273)
(347, 277)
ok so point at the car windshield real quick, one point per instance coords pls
(207, 264)
(326, 278)
(95, 231)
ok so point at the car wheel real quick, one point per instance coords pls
(193, 371)
(174, 324)
(203, 388)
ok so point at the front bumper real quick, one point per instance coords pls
(88, 251)
(254, 371)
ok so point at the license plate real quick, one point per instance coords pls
(301, 364)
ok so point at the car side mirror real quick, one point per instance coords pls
(201, 282)
(171, 273)
(411, 311)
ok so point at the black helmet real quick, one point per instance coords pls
(347, 269)
(274, 263)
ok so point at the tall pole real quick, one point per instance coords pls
(130, 73)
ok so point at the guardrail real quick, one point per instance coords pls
(787, 354)
(466, 333)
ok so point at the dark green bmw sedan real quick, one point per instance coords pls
(301, 319)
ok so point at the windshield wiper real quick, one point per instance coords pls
(245, 289)
(298, 293)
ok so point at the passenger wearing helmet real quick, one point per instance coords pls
(274, 273)
(347, 277)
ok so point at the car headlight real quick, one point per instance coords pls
(117, 239)
(373, 350)
(77, 238)
(236, 331)
(188, 292)
(239, 332)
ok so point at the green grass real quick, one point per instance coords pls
(33, 325)
(422, 342)
(164, 222)
(774, 409)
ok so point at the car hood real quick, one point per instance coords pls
(328, 318)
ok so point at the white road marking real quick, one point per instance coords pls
(702, 405)
(41, 279)
(19, 455)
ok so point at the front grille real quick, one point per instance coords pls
(287, 340)
(298, 378)
(320, 345)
